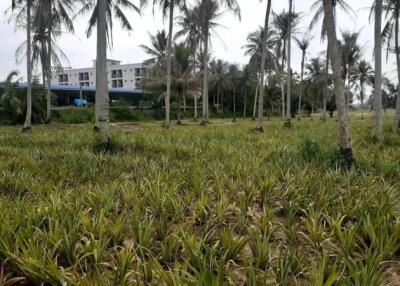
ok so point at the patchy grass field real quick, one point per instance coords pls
(216, 205)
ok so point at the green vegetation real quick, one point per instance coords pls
(192, 205)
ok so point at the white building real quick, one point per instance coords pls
(119, 76)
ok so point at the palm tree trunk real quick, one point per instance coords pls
(301, 80)
(28, 118)
(262, 70)
(49, 51)
(255, 101)
(289, 57)
(362, 98)
(326, 88)
(396, 124)
(204, 118)
(378, 72)
(102, 100)
(282, 79)
(344, 132)
(195, 108)
(234, 103)
(218, 97)
(179, 103)
(244, 103)
(169, 65)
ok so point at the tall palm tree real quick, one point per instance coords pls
(254, 49)
(281, 23)
(51, 16)
(303, 45)
(344, 132)
(102, 18)
(351, 54)
(363, 73)
(168, 7)
(289, 66)
(318, 7)
(378, 71)
(25, 7)
(262, 68)
(390, 34)
(209, 12)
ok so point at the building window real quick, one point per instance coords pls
(137, 81)
(63, 79)
(117, 83)
(116, 74)
(83, 76)
(137, 72)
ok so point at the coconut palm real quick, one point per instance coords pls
(289, 57)
(254, 49)
(390, 36)
(263, 63)
(183, 81)
(351, 54)
(281, 23)
(168, 8)
(102, 18)
(344, 132)
(52, 16)
(158, 48)
(209, 12)
(24, 7)
(315, 78)
(303, 45)
(378, 71)
(362, 74)
(318, 7)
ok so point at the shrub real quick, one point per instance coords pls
(311, 150)
(76, 115)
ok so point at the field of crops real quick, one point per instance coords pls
(193, 205)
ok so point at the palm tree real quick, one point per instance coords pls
(183, 81)
(50, 17)
(281, 23)
(168, 7)
(351, 54)
(363, 73)
(158, 48)
(9, 98)
(208, 13)
(101, 18)
(262, 68)
(315, 77)
(378, 71)
(289, 57)
(391, 32)
(344, 132)
(254, 49)
(318, 7)
(303, 45)
(25, 7)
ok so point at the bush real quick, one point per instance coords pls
(76, 115)
(122, 112)
(311, 150)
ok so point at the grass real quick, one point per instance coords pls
(192, 205)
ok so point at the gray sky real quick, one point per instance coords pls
(80, 50)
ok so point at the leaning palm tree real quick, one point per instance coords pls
(390, 36)
(362, 74)
(24, 7)
(303, 45)
(208, 13)
(344, 132)
(101, 17)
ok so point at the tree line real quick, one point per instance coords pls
(182, 64)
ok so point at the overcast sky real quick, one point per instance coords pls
(80, 50)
